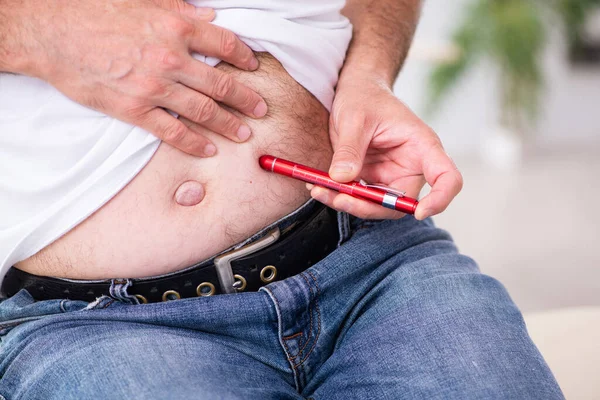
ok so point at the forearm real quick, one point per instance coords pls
(13, 49)
(5, 41)
(383, 32)
(8, 37)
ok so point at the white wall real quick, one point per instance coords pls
(534, 227)
(571, 103)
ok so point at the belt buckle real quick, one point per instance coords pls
(223, 262)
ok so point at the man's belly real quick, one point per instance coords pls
(143, 231)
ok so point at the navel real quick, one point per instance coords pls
(189, 193)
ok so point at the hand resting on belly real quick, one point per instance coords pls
(182, 209)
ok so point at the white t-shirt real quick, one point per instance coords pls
(60, 161)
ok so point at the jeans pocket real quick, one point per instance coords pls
(22, 308)
(357, 224)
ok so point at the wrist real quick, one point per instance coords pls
(381, 37)
(12, 61)
(374, 75)
(364, 80)
(364, 62)
(13, 51)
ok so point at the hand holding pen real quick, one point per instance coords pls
(378, 138)
(381, 195)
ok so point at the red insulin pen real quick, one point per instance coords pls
(382, 195)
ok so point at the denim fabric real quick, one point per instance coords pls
(394, 313)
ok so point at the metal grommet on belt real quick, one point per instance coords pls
(141, 298)
(166, 295)
(200, 289)
(268, 273)
(240, 284)
(313, 223)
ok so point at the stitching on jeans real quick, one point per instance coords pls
(15, 322)
(316, 306)
(107, 304)
(367, 224)
(346, 226)
(342, 221)
(287, 350)
(292, 336)
(318, 320)
(279, 333)
(290, 356)
(310, 310)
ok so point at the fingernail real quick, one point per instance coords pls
(342, 167)
(210, 150)
(309, 186)
(204, 12)
(426, 213)
(244, 133)
(253, 63)
(319, 197)
(260, 110)
(344, 206)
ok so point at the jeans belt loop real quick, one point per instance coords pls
(118, 291)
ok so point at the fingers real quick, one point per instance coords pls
(202, 13)
(360, 208)
(445, 181)
(169, 129)
(197, 13)
(211, 40)
(206, 112)
(222, 87)
(184, 8)
(349, 150)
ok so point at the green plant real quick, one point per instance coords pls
(511, 34)
(573, 13)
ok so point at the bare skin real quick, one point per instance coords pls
(182, 209)
(132, 60)
(374, 135)
(189, 193)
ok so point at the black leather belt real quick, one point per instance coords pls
(276, 256)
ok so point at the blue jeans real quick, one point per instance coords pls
(394, 313)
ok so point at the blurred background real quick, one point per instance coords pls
(513, 89)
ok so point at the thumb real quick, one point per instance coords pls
(204, 13)
(349, 150)
(184, 8)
